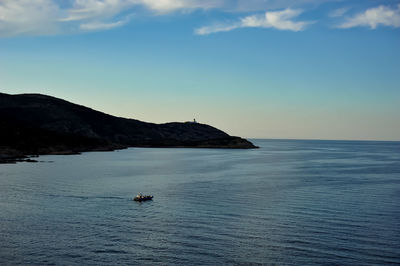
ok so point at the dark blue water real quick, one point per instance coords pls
(289, 202)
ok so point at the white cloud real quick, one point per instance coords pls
(98, 25)
(86, 9)
(45, 17)
(216, 28)
(163, 6)
(373, 17)
(41, 17)
(28, 17)
(281, 20)
(95, 9)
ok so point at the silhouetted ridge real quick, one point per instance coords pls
(41, 124)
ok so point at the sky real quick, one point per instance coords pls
(288, 69)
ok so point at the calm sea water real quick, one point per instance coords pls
(289, 202)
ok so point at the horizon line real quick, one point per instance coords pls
(311, 139)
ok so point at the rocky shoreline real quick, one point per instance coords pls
(9, 156)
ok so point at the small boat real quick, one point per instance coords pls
(140, 197)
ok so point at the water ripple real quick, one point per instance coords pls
(289, 203)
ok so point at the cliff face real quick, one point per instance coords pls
(40, 124)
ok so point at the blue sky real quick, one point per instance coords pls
(326, 69)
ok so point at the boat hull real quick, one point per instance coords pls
(143, 198)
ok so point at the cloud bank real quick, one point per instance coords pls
(281, 20)
(48, 17)
(44, 17)
(373, 17)
(20, 17)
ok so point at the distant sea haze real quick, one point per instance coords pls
(290, 202)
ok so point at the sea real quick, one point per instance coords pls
(290, 202)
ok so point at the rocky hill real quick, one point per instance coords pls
(34, 124)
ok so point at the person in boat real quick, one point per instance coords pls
(140, 197)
